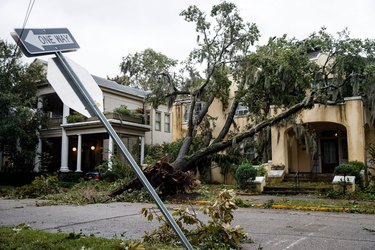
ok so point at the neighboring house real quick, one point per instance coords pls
(75, 143)
(160, 121)
(341, 133)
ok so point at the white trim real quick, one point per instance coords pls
(142, 155)
(110, 152)
(79, 153)
(64, 151)
(79, 124)
(353, 98)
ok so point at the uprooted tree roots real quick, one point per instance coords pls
(163, 177)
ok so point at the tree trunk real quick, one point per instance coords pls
(186, 163)
(162, 176)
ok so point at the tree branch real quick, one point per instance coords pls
(228, 123)
(198, 118)
(190, 118)
(217, 147)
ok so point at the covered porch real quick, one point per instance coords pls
(82, 146)
(335, 134)
(326, 148)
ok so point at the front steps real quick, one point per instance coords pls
(290, 190)
(308, 177)
(306, 183)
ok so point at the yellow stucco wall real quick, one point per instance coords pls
(177, 114)
(279, 145)
(355, 130)
(350, 114)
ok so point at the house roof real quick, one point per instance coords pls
(314, 54)
(102, 82)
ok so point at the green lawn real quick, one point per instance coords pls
(23, 237)
(352, 206)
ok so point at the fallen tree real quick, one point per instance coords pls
(227, 68)
(169, 180)
(163, 177)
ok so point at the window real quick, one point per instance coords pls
(158, 121)
(167, 123)
(148, 117)
(241, 110)
(186, 112)
(198, 107)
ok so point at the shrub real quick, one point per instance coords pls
(75, 117)
(119, 170)
(244, 173)
(352, 168)
(156, 152)
(370, 189)
(39, 187)
(123, 111)
(357, 164)
(73, 177)
(261, 170)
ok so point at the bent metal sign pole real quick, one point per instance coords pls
(54, 41)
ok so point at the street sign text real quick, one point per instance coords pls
(38, 42)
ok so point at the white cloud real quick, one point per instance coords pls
(109, 30)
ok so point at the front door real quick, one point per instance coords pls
(330, 155)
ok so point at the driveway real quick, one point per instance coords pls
(270, 229)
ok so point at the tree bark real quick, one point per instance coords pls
(162, 176)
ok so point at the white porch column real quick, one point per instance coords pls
(79, 153)
(38, 150)
(142, 154)
(64, 143)
(110, 152)
(38, 158)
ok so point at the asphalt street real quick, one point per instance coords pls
(270, 229)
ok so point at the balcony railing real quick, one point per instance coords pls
(55, 122)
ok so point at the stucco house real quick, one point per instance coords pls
(340, 133)
(74, 143)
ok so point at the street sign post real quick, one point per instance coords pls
(37, 42)
(34, 48)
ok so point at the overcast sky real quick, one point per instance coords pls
(108, 30)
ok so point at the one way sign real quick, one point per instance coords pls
(36, 42)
